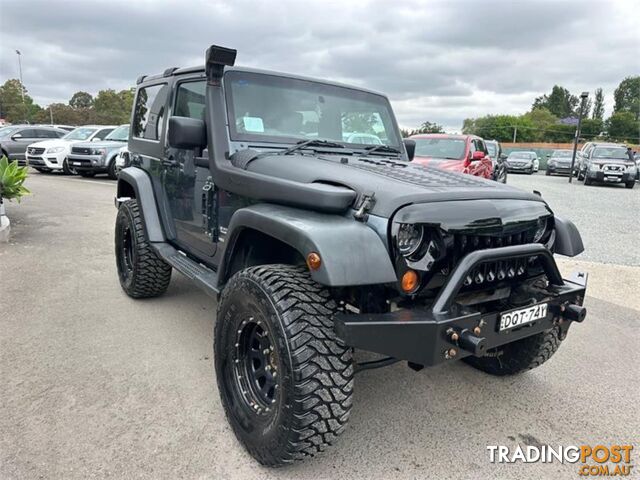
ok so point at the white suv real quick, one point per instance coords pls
(52, 154)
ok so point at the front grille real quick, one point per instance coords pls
(35, 151)
(614, 168)
(81, 150)
(490, 272)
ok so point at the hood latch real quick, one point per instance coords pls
(367, 201)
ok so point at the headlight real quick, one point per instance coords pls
(409, 238)
(55, 149)
(98, 151)
(542, 228)
(594, 167)
(631, 169)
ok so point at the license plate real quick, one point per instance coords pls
(76, 163)
(612, 179)
(522, 316)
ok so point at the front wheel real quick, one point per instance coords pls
(67, 169)
(518, 356)
(547, 173)
(630, 184)
(112, 171)
(285, 379)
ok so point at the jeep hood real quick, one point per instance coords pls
(394, 183)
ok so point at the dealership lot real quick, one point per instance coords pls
(97, 384)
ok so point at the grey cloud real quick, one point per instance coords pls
(437, 61)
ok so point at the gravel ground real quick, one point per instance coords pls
(97, 385)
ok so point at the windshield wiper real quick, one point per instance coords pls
(382, 148)
(311, 143)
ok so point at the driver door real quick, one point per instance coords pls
(187, 185)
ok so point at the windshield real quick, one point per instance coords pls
(492, 148)
(6, 131)
(610, 152)
(521, 155)
(562, 153)
(270, 108)
(81, 133)
(447, 148)
(120, 134)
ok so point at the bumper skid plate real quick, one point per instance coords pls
(446, 331)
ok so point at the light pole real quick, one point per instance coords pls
(583, 99)
(24, 105)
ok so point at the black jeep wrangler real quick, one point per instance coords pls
(293, 202)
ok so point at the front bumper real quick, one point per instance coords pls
(605, 177)
(87, 163)
(519, 168)
(52, 161)
(564, 169)
(425, 336)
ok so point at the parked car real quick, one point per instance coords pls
(90, 158)
(583, 156)
(559, 162)
(315, 247)
(15, 138)
(457, 153)
(498, 160)
(523, 162)
(52, 155)
(609, 164)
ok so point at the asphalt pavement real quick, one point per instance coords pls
(97, 385)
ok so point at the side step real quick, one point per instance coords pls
(201, 275)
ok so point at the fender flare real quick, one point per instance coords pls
(135, 180)
(568, 240)
(352, 253)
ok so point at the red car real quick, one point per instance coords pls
(458, 153)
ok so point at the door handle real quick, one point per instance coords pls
(170, 162)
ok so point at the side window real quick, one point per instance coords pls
(149, 112)
(103, 133)
(190, 98)
(472, 147)
(47, 134)
(480, 146)
(28, 133)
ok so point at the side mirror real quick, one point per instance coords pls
(477, 155)
(503, 156)
(17, 136)
(187, 133)
(410, 147)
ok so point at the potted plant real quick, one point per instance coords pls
(12, 178)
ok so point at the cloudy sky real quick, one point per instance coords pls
(440, 61)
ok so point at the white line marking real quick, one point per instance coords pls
(98, 182)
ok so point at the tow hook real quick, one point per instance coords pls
(468, 341)
(575, 313)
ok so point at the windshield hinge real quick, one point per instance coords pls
(209, 210)
(365, 205)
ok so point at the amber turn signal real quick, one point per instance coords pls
(313, 261)
(409, 281)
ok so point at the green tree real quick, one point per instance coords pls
(627, 96)
(591, 128)
(429, 127)
(12, 108)
(623, 126)
(542, 122)
(113, 107)
(559, 102)
(598, 105)
(81, 100)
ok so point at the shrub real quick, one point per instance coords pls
(12, 178)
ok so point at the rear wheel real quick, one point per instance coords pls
(285, 380)
(519, 356)
(141, 272)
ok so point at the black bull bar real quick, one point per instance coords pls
(428, 336)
